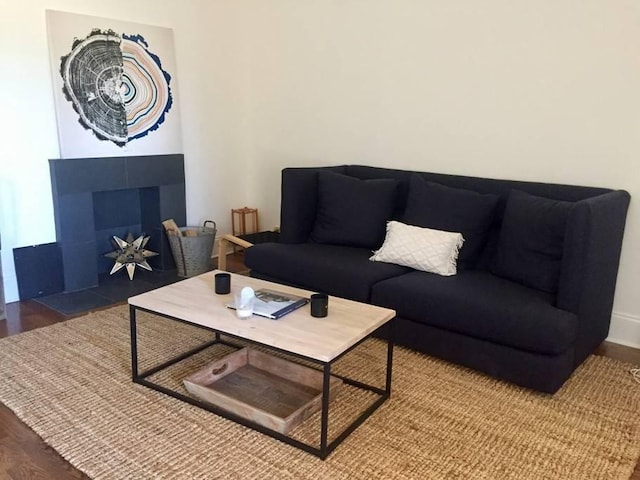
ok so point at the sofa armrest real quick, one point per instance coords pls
(593, 241)
(299, 202)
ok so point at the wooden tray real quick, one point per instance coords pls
(268, 390)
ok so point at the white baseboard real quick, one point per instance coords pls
(625, 330)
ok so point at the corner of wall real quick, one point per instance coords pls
(624, 330)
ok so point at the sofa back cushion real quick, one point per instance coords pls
(351, 211)
(441, 207)
(531, 240)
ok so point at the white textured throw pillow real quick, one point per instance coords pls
(424, 249)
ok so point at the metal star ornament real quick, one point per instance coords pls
(130, 253)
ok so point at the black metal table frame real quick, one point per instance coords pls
(325, 447)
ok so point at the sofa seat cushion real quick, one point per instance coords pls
(481, 305)
(334, 269)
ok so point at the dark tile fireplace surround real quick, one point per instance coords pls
(94, 199)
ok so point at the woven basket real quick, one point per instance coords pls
(193, 254)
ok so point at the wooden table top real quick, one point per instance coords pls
(195, 301)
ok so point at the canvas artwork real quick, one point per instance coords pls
(114, 87)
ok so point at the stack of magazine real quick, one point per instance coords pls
(274, 304)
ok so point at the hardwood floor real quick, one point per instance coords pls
(24, 456)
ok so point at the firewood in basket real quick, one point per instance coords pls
(171, 227)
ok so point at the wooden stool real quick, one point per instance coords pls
(240, 217)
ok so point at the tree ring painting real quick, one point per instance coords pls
(114, 87)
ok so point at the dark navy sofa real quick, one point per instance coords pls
(536, 276)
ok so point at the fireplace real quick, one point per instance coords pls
(96, 198)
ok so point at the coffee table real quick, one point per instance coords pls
(319, 342)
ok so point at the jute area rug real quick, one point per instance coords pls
(70, 382)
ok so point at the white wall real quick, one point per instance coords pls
(209, 93)
(544, 90)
